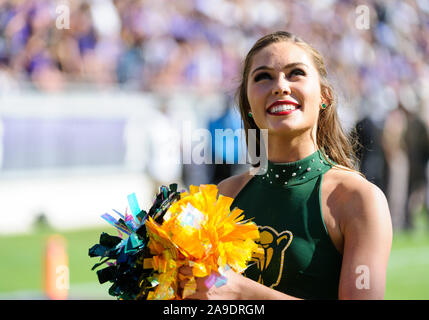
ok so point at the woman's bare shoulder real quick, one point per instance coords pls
(231, 186)
(346, 180)
(353, 193)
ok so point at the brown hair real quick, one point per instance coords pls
(330, 136)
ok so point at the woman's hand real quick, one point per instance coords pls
(206, 288)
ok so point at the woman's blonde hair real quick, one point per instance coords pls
(330, 136)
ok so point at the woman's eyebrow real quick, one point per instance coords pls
(289, 65)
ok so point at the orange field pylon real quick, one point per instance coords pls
(56, 268)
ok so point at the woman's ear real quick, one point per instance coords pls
(326, 95)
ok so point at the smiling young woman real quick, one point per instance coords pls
(325, 230)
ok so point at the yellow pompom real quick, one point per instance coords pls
(199, 230)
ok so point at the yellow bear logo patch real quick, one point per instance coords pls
(270, 260)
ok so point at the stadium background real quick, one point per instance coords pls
(87, 108)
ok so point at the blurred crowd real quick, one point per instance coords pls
(157, 44)
(376, 52)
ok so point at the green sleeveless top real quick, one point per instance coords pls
(299, 257)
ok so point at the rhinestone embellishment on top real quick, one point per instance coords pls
(292, 173)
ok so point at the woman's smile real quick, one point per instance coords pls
(282, 108)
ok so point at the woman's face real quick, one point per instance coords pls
(283, 89)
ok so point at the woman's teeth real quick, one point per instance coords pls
(282, 108)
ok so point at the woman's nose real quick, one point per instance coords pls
(281, 87)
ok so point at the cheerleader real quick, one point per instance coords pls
(325, 230)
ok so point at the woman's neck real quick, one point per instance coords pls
(282, 150)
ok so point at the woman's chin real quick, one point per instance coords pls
(284, 128)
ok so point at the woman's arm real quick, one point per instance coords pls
(237, 287)
(367, 230)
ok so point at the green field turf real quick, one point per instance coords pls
(21, 261)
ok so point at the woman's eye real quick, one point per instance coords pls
(261, 76)
(297, 72)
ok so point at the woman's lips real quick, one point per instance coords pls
(282, 107)
(283, 112)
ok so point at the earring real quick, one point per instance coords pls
(323, 106)
(250, 115)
